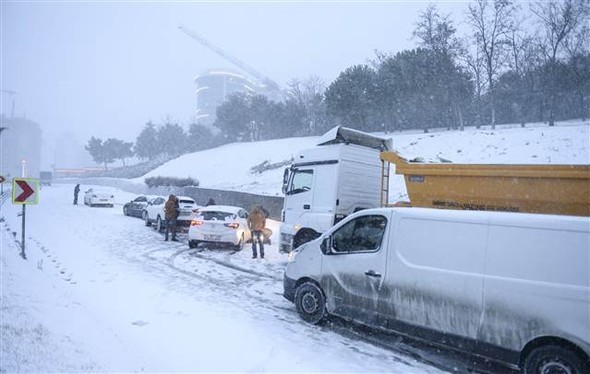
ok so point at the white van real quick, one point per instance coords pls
(512, 287)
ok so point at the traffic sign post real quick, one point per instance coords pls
(24, 192)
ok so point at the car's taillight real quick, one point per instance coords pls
(233, 225)
(196, 222)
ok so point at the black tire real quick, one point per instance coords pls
(310, 303)
(193, 244)
(125, 211)
(554, 359)
(146, 219)
(159, 227)
(240, 245)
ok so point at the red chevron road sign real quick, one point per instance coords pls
(24, 191)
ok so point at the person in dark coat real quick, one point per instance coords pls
(256, 223)
(210, 202)
(76, 192)
(171, 211)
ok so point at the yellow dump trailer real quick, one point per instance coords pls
(549, 189)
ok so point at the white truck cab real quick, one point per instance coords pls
(339, 176)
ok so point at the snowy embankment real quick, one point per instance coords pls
(230, 167)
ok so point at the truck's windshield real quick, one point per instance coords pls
(300, 181)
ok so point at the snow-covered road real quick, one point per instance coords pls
(99, 291)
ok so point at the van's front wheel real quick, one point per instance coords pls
(310, 303)
(554, 359)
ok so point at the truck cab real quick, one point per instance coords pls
(339, 176)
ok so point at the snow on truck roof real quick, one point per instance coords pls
(341, 134)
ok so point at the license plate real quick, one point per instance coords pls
(184, 213)
(103, 199)
(212, 237)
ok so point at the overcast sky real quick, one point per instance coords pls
(105, 69)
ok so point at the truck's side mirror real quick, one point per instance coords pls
(285, 180)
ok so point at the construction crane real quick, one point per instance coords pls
(13, 94)
(266, 81)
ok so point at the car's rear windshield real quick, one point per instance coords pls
(186, 202)
(217, 216)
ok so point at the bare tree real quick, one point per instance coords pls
(437, 33)
(309, 94)
(523, 59)
(558, 21)
(491, 21)
(473, 60)
(577, 50)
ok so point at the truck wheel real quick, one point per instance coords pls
(554, 359)
(304, 237)
(310, 303)
(146, 219)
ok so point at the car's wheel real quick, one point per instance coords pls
(159, 225)
(240, 245)
(125, 211)
(310, 303)
(146, 219)
(193, 243)
(554, 359)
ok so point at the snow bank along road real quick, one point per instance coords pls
(99, 291)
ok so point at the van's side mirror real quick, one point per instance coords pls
(325, 246)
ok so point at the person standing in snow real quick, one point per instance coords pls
(210, 202)
(256, 223)
(76, 192)
(171, 211)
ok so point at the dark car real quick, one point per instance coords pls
(135, 207)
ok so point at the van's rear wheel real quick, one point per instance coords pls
(554, 359)
(310, 303)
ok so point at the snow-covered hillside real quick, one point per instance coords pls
(230, 167)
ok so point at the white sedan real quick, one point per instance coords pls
(219, 224)
(94, 197)
(154, 214)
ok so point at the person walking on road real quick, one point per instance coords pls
(76, 192)
(171, 211)
(256, 223)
